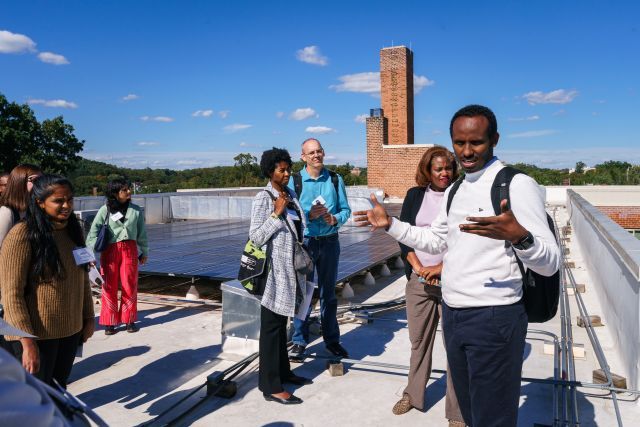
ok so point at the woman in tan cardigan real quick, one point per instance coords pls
(44, 292)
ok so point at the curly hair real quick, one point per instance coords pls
(475, 110)
(271, 158)
(45, 258)
(423, 173)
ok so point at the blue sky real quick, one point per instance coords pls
(185, 84)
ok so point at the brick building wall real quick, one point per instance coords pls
(396, 87)
(390, 167)
(626, 216)
(392, 157)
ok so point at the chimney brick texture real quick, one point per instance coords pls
(392, 168)
(396, 85)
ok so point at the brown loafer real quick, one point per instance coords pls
(403, 405)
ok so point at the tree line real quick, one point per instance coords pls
(52, 144)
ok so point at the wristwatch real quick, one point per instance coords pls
(525, 242)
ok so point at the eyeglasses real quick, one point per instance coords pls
(320, 151)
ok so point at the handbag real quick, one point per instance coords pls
(302, 261)
(102, 240)
(255, 264)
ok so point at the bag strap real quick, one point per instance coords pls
(452, 192)
(297, 183)
(106, 217)
(297, 239)
(500, 192)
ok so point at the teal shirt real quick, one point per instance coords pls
(337, 204)
(132, 228)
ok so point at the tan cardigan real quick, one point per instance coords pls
(53, 308)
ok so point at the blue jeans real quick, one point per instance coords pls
(325, 253)
(485, 346)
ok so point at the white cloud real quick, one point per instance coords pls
(321, 130)
(147, 143)
(15, 43)
(361, 118)
(170, 159)
(559, 96)
(130, 97)
(162, 119)
(524, 119)
(224, 114)
(236, 127)
(312, 55)
(190, 162)
(202, 113)
(243, 144)
(360, 82)
(420, 82)
(436, 132)
(52, 58)
(560, 113)
(54, 103)
(533, 133)
(280, 114)
(303, 113)
(370, 83)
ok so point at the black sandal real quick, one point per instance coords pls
(110, 330)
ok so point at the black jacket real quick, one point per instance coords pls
(410, 208)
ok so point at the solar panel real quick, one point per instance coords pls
(211, 249)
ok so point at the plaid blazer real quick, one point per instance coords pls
(283, 281)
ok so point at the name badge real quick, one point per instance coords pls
(319, 201)
(291, 213)
(83, 256)
(116, 216)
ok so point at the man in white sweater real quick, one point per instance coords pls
(483, 316)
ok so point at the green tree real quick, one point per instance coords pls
(50, 144)
(580, 167)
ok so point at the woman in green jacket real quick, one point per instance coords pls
(119, 262)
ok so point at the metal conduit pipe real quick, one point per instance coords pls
(556, 371)
(569, 396)
(595, 342)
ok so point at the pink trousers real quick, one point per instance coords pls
(119, 266)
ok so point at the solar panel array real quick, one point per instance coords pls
(212, 248)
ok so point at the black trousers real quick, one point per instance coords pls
(56, 358)
(274, 362)
(485, 347)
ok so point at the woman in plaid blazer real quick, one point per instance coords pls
(284, 287)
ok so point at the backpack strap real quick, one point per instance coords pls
(297, 183)
(452, 192)
(500, 187)
(500, 192)
(334, 180)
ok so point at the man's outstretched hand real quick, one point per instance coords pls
(376, 217)
(502, 227)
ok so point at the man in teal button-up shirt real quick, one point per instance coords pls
(326, 210)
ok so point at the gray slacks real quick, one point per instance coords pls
(423, 314)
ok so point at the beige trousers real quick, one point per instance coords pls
(423, 314)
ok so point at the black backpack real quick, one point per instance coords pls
(540, 293)
(297, 183)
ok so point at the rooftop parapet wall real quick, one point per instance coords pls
(597, 195)
(612, 257)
